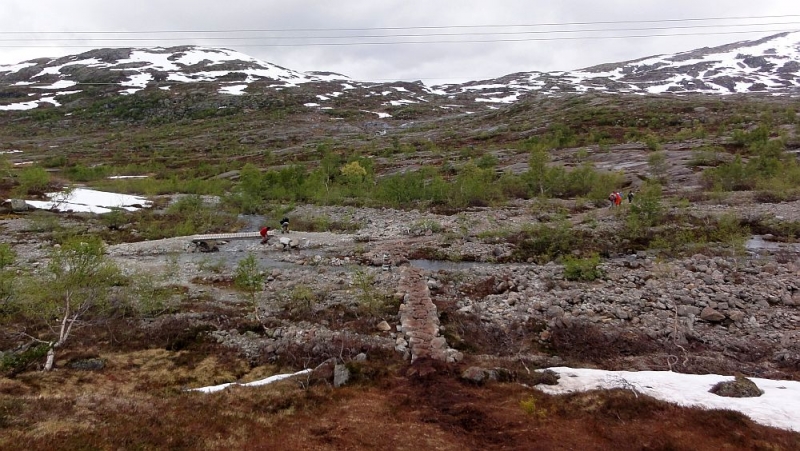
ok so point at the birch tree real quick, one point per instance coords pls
(72, 292)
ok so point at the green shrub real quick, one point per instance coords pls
(706, 156)
(487, 161)
(652, 142)
(302, 299)
(81, 173)
(14, 363)
(647, 209)
(657, 163)
(556, 181)
(756, 136)
(371, 301)
(32, 180)
(425, 226)
(529, 406)
(7, 258)
(187, 216)
(543, 243)
(582, 269)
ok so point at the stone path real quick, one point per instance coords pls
(420, 321)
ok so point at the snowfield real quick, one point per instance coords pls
(82, 200)
(778, 407)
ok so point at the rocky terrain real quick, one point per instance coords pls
(738, 312)
(718, 313)
(425, 312)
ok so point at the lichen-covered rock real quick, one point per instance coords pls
(341, 374)
(740, 387)
(94, 364)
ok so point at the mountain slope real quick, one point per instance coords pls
(770, 65)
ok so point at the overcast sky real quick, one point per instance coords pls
(306, 24)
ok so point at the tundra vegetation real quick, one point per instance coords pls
(147, 335)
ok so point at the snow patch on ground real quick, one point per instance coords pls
(511, 98)
(236, 90)
(269, 380)
(401, 102)
(89, 201)
(12, 68)
(60, 84)
(779, 406)
(21, 106)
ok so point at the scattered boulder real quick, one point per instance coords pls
(92, 364)
(479, 376)
(341, 375)
(539, 377)
(711, 315)
(740, 387)
(18, 205)
(547, 377)
(475, 375)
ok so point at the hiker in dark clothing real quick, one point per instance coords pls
(285, 225)
(630, 197)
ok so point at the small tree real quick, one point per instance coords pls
(250, 279)
(648, 209)
(7, 257)
(32, 180)
(353, 172)
(657, 161)
(5, 167)
(77, 283)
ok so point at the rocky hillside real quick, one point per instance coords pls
(769, 65)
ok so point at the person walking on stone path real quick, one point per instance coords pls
(264, 232)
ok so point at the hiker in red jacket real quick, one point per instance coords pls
(264, 235)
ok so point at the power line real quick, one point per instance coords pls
(463, 41)
(506, 33)
(431, 27)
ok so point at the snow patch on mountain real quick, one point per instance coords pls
(769, 66)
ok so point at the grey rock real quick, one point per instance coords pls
(475, 375)
(740, 387)
(340, 375)
(94, 364)
(711, 315)
(18, 205)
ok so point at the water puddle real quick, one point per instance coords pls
(758, 244)
(440, 265)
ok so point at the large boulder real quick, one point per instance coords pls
(711, 315)
(18, 205)
(740, 387)
(91, 364)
